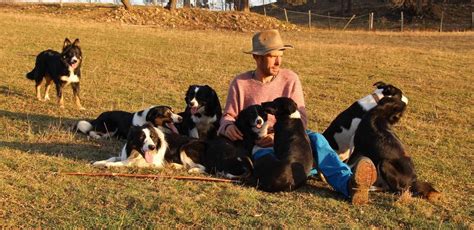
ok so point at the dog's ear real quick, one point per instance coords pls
(67, 42)
(379, 84)
(76, 42)
(269, 107)
(186, 97)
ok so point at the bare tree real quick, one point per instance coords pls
(171, 5)
(244, 6)
(126, 4)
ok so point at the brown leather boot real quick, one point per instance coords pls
(364, 176)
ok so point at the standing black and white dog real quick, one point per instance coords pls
(375, 139)
(118, 123)
(202, 114)
(292, 161)
(61, 68)
(341, 131)
(145, 147)
(221, 155)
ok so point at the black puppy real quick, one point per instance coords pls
(341, 131)
(289, 167)
(118, 123)
(375, 139)
(61, 68)
(202, 114)
(220, 155)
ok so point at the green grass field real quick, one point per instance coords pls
(133, 67)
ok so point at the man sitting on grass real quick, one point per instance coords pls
(267, 82)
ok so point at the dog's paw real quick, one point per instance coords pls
(82, 108)
(176, 166)
(46, 98)
(100, 164)
(196, 170)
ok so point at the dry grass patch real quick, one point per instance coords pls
(129, 68)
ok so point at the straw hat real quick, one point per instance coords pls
(267, 41)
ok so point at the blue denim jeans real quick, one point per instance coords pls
(327, 161)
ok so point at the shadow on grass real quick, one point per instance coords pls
(7, 91)
(74, 151)
(39, 121)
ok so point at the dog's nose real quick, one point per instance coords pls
(151, 147)
(259, 121)
(73, 61)
(180, 119)
(192, 103)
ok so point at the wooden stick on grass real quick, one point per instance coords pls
(151, 176)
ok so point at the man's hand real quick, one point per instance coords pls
(233, 133)
(266, 141)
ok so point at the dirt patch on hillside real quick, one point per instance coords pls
(157, 16)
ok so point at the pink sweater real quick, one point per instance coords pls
(245, 91)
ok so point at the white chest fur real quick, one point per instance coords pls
(71, 78)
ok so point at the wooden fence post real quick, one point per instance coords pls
(371, 21)
(441, 22)
(472, 21)
(329, 20)
(286, 15)
(350, 20)
(401, 21)
(309, 18)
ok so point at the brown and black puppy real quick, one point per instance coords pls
(292, 161)
(375, 139)
(221, 155)
(340, 132)
(61, 68)
(117, 123)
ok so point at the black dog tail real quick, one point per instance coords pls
(32, 75)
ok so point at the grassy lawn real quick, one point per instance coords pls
(133, 67)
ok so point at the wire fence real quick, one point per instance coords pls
(444, 20)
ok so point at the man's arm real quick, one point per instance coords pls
(227, 127)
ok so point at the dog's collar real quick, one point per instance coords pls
(376, 97)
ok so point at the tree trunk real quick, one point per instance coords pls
(350, 3)
(244, 6)
(126, 4)
(171, 5)
(418, 8)
(187, 3)
(342, 8)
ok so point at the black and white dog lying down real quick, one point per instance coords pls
(375, 139)
(220, 155)
(202, 114)
(118, 123)
(341, 131)
(145, 147)
(292, 161)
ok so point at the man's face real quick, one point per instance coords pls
(269, 64)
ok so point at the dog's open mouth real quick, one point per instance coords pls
(195, 109)
(74, 65)
(149, 156)
(172, 127)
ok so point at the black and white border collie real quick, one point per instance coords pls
(61, 68)
(375, 139)
(118, 123)
(341, 131)
(145, 147)
(220, 155)
(202, 114)
(292, 161)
